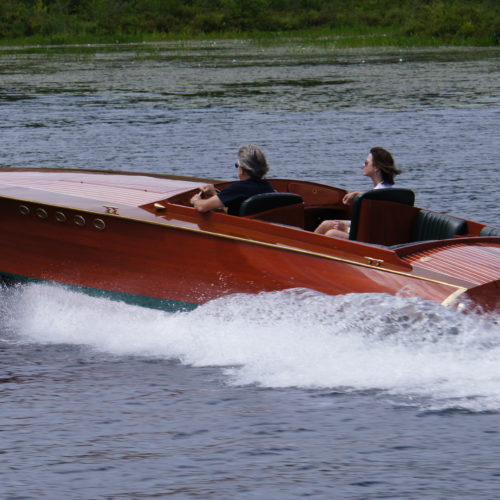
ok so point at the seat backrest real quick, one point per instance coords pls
(489, 231)
(393, 195)
(436, 226)
(267, 201)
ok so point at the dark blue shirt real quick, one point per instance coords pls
(234, 195)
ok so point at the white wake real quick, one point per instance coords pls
(406, 348)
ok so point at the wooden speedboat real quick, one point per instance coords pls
(135, 237)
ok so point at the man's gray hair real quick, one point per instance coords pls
(253, 160)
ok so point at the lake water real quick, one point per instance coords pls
(278, 395)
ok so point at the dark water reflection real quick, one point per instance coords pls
(288, 77)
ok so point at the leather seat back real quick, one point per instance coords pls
(400, 196)
(436, 226)
(267, 201)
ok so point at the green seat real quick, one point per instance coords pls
(436, 226)
(267, 201)
(489, 231)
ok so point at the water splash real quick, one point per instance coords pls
(411, 350)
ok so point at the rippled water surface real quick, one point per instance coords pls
(279, 395)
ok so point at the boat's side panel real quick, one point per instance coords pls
(177, 263)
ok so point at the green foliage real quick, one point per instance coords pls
(448, 20)
(455, 19)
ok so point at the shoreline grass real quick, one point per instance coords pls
(355, 22)
(338, 38)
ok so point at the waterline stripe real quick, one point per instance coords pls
(137, 300)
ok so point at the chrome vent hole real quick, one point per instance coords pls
(99, 224)
(79, 220)
(42, 213)
(24, 210)
(60, 217)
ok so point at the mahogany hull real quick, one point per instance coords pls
(185, 258)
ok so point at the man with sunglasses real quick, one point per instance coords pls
(252, 167)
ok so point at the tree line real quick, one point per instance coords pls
(443, 19)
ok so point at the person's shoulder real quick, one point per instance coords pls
(234, 185)
(263, 186)
(252, 183)
(383, 185)
(266, 183)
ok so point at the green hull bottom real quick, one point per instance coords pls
(138, 300)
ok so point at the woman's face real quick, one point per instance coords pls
(368, 168)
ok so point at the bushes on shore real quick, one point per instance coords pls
(453, 20)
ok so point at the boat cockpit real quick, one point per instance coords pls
(383, 217)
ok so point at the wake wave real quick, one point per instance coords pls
(414, 351)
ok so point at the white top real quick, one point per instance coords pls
(383, 185)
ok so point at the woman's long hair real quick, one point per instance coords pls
(384, 161)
